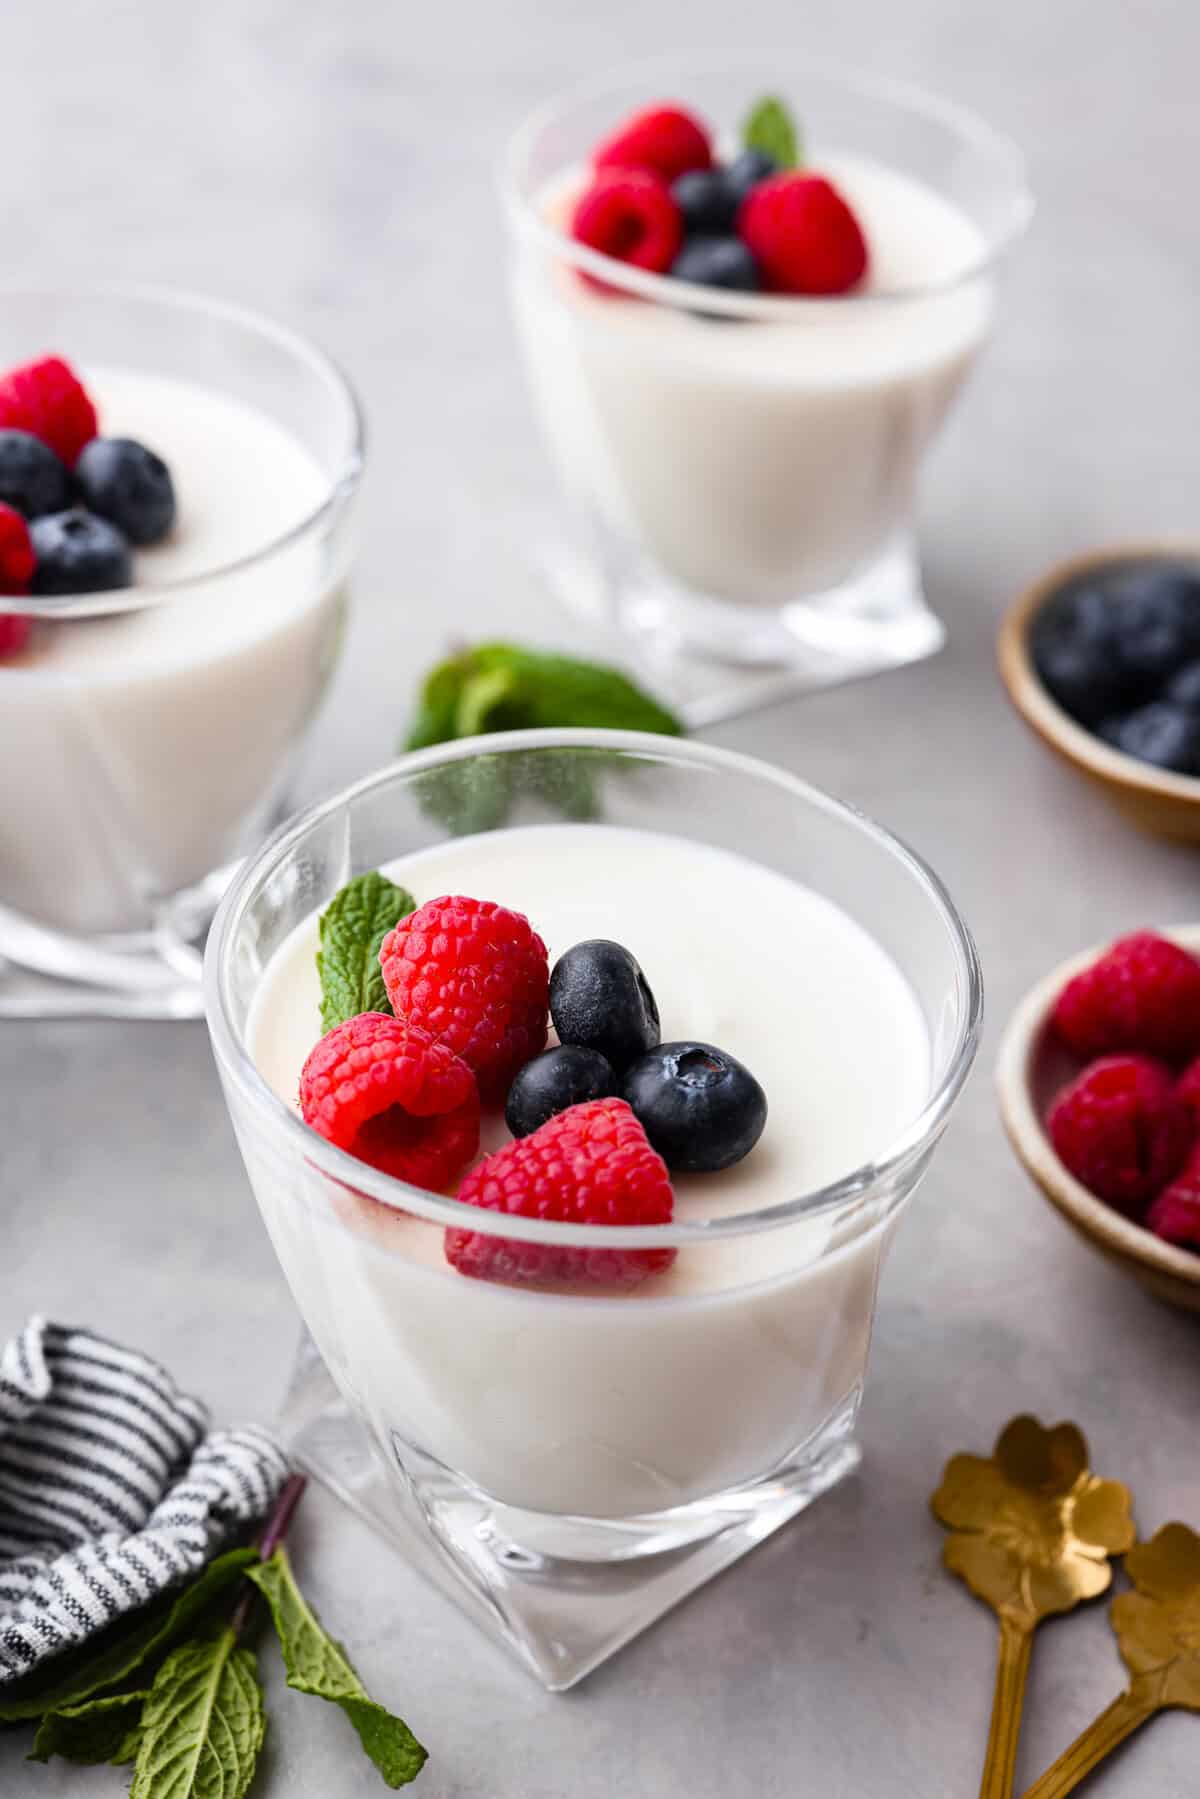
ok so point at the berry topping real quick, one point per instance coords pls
(601, 1000)
(385, 1092)
(1109, 643)
(31, 476)
(1175, 1214)
(17, 559)
(1142, 995)
(473, 975)
(1075, 653)
(79, 553)
(803, 235)
(591, 1165)
(552, 1082)
(717, 262)
(48, 399)
(129, 485)
(705, 200)
(1121, 1130)
(1165, 736)
(664, 140)
(749, 169)
(631, 216)
(701, 1109)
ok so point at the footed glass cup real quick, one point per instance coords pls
(570, 1463)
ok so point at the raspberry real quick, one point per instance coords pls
(592, 1164)
(385, 1092)
(664, 140)
(631, 216)
(475, 976)
(1120, 1129)
(1187, 1088)
(17, 563)
(1143, 996)
(1175, 1214)
(48, 399)
(804, 237)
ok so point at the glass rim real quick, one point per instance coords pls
(146, 594)
(525, 217)
(339, 1166)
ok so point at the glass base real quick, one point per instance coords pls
(560, 1594)
(712, 660)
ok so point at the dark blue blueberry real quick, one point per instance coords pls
(701, 1109)
(717, 262)
(32, 479)
(1156, 616)
(601, 1000)
(747, 171)
(79, 553)
(706, 200)
(1161, 734)
(1183, 689)
(129, 485)
(1075, 652)
(558, 1078)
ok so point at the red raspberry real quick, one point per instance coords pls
(385, 1092)
(803, 235)
(664, 140)
(1175, 1214)
(1143, 995)
(1120, 1129)
(17, 563)
(631, 216)
(1187, 1088)
(591, 1164)
(48, 399)
(476, 977)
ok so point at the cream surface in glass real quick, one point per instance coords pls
(581, 1431)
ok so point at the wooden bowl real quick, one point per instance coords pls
(1166, 805)
(1033, 1066)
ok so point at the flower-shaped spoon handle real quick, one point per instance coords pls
(1032, 1530)
(1158, 1629)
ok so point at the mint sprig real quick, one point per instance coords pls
(770, 126)
(353, 927)
(203, 1723)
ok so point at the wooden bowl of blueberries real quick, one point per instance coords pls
(1102, 658)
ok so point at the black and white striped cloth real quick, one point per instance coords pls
(112, 1488)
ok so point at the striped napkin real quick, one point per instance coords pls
(112, 1488)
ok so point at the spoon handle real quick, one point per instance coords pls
(1012, 1668)
(1114, 1724)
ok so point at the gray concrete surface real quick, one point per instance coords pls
(332, 164)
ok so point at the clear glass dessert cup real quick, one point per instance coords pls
(569, 1463)
(740, 468)
(155, 744)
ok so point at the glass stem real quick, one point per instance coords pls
(1012, 1668)
(1103, 1734)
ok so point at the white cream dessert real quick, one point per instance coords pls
(761, 460)
(148, 738)
(600, 1402)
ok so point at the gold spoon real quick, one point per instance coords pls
(1158, 1629)
(1032, 1530)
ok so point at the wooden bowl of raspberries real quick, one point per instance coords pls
(1101, 657)
(1099, 1078)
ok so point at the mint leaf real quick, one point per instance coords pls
(99, 1730)
(68, 1679)
(353, 927)
(770, 127)
(202, 1725)
(319, 1666)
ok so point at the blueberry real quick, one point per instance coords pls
(1078, 657)
(558, 1078)
(79, 553)
(717, 262)
(1161, 734)
(706, 200)
(701, 1109)
(1156, 616)
(1183, 689)
(600, 999)
(32, 479)
(746, 171)
(129, 485)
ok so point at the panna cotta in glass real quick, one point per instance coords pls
(596, 1421)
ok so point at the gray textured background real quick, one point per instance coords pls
(332, 164)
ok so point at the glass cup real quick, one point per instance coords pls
(155, 728)
(570, 1463)
(740, 468)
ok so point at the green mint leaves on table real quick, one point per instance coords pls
(189, 1712)
(353, 927)
(770, 127)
